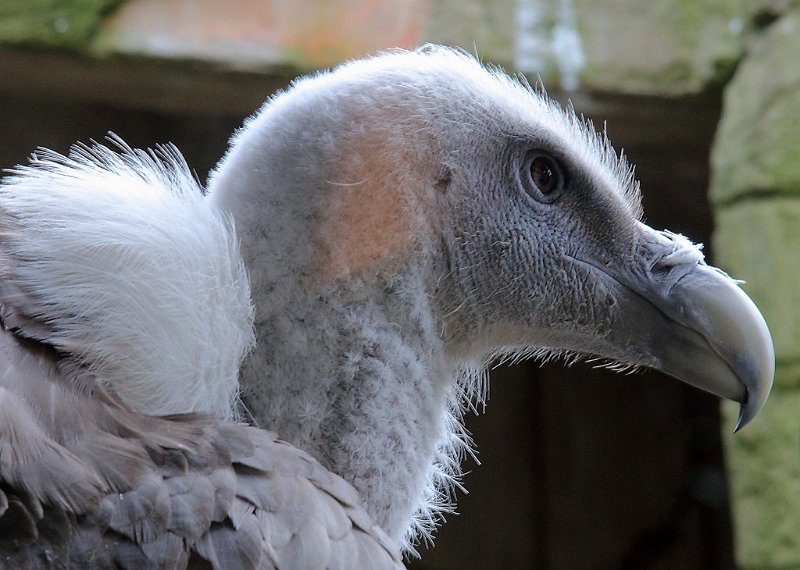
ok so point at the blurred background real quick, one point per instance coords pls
(580, 468)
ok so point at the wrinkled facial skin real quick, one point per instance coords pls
(527, 265)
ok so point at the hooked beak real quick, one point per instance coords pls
(729, 348)
(708, 333)
(689, 320)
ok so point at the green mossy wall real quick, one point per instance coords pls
(756, 193)
(51, 23)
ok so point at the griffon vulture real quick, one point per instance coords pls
(397, 222)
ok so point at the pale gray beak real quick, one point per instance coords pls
(704, 330)
(729, 349)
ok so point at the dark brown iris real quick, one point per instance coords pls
(544, 175)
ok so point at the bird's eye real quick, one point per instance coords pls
(542, 177)
(544, 174)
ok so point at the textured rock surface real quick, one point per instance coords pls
(681, 46)
(257, 35)
(756, 190)
(758, 145)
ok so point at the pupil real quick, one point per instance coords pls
(543, 175)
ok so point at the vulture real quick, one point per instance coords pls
(271, 371)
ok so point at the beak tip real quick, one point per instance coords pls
(745, 415)
(743, 420)
(754, 399)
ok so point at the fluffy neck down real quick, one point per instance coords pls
(349, 362)
(361, 383)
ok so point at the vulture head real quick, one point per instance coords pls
(409, 217)
(403, 220)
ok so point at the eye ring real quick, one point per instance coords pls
(542, 177)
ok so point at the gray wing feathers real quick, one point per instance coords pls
(86, 483)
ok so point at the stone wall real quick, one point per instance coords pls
(756, 195)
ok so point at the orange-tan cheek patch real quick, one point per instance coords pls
(368, 218)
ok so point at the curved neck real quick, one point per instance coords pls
(359, 382)
(349, 363)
